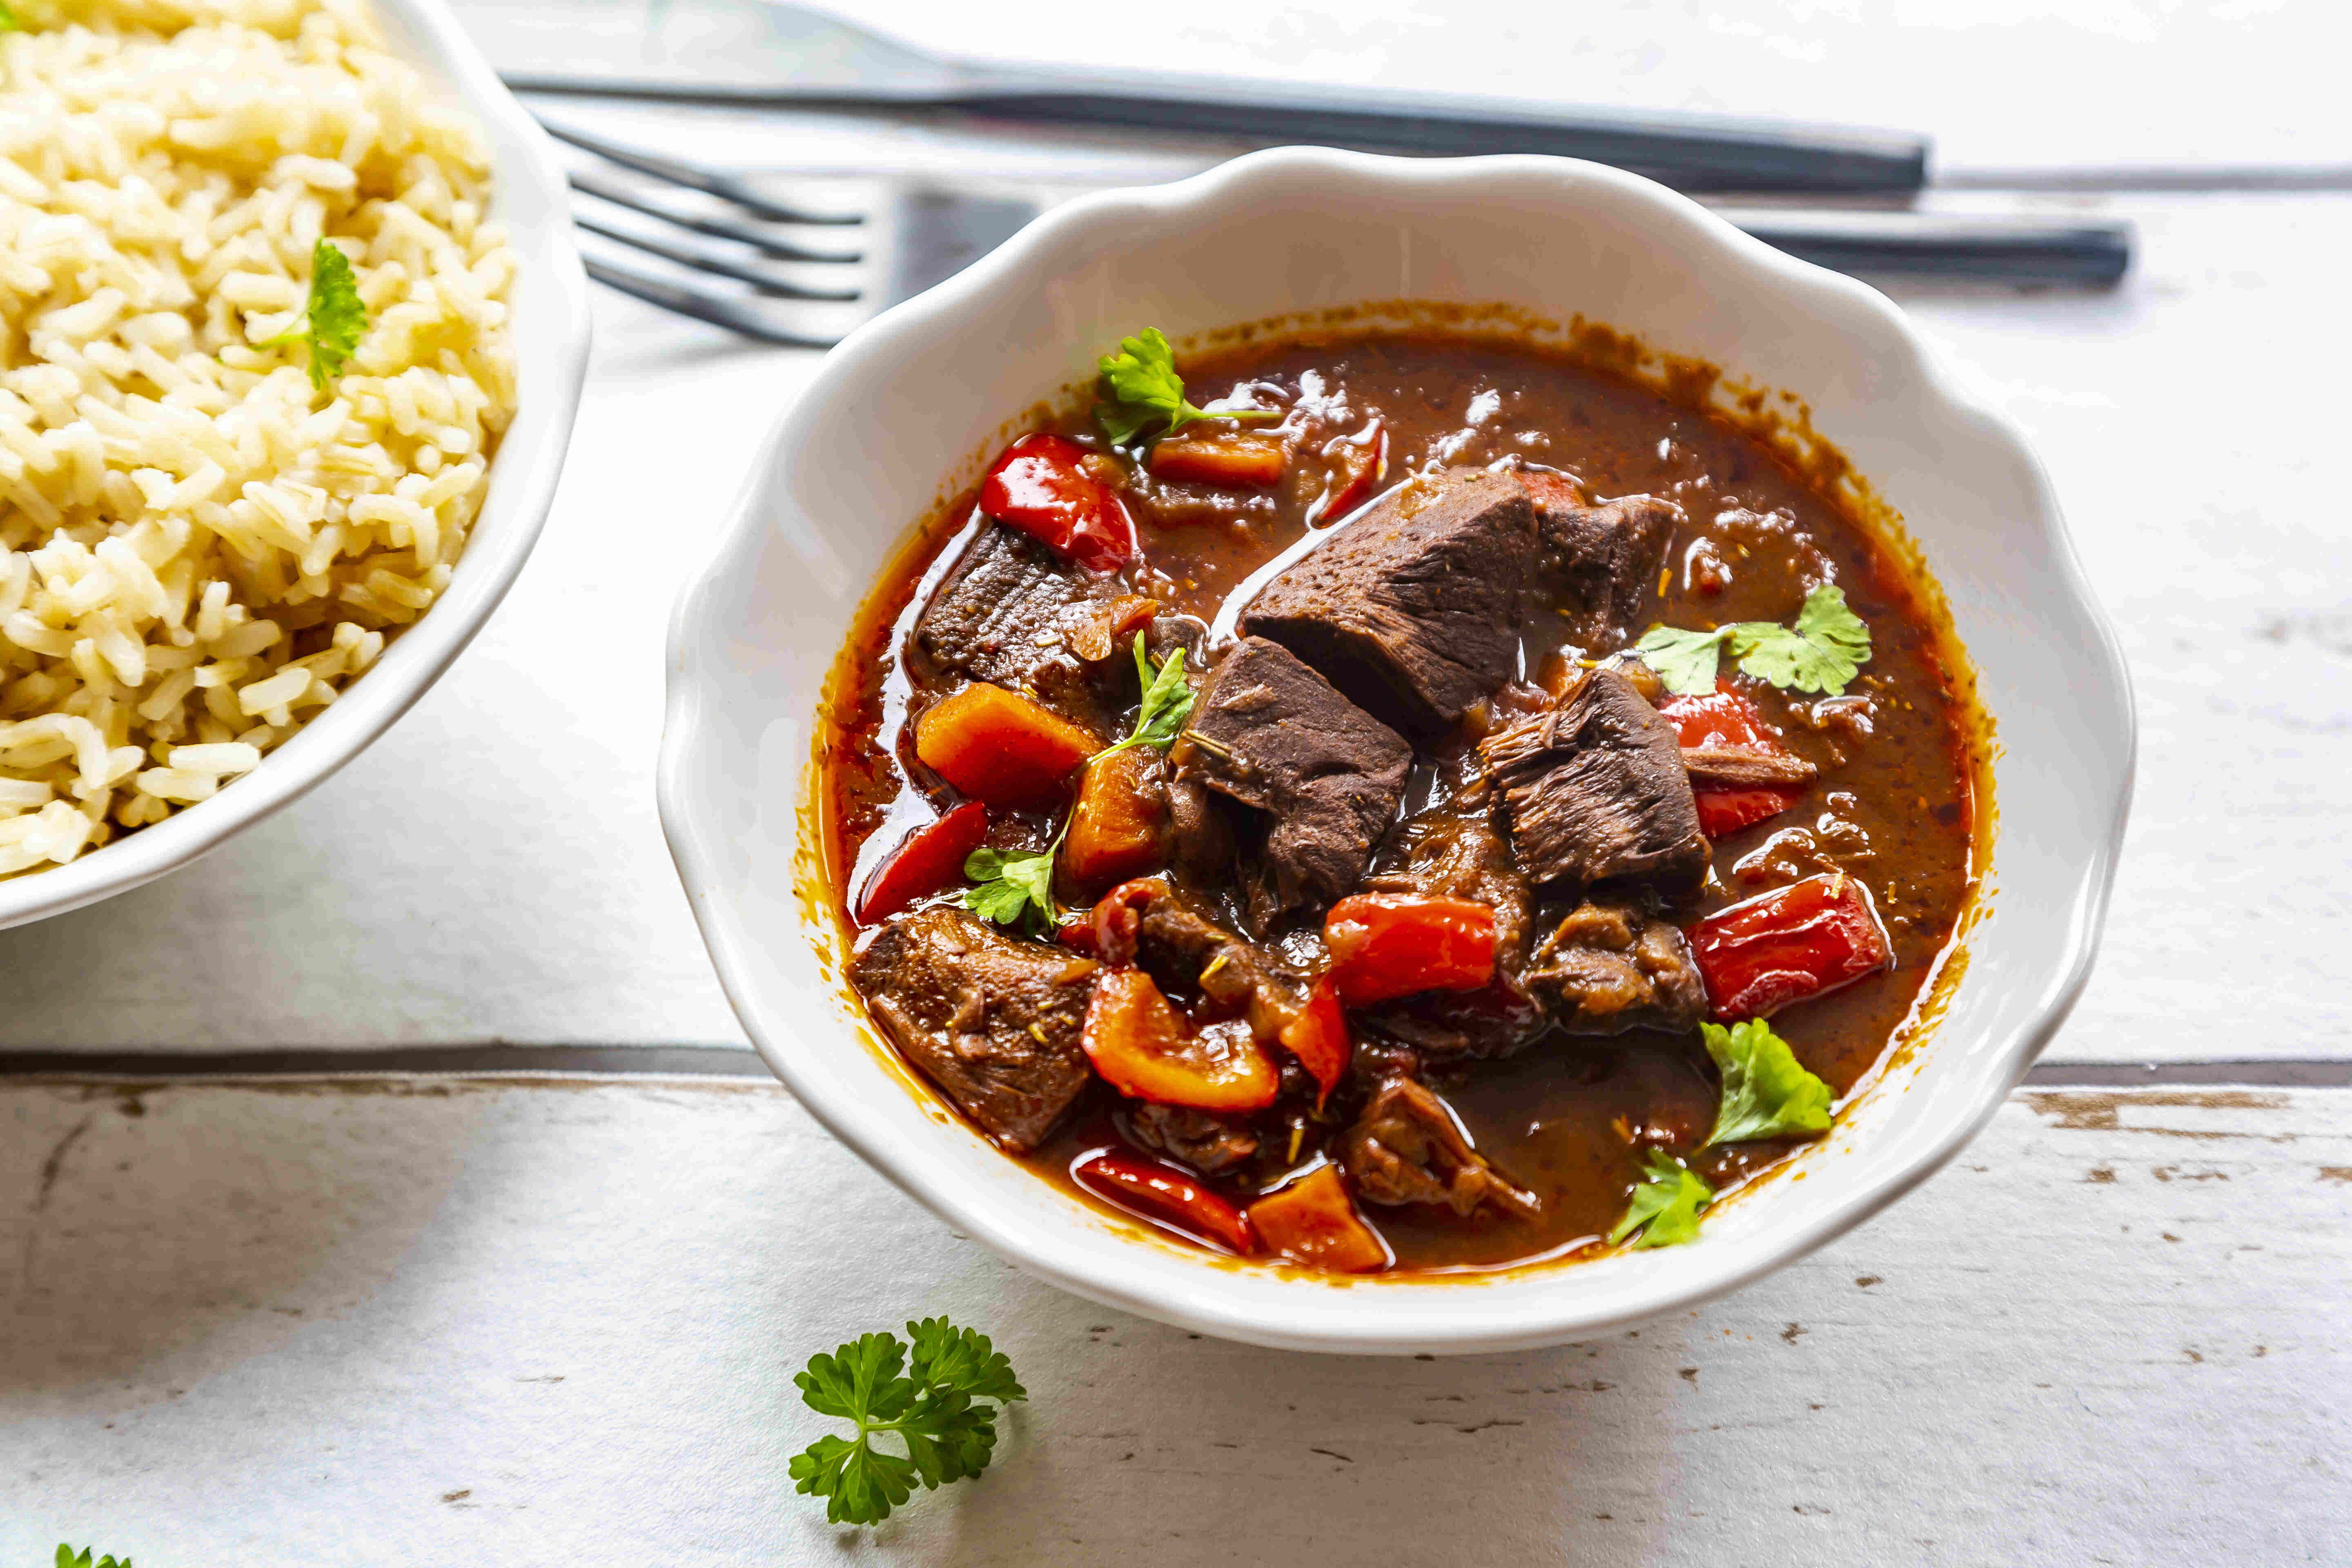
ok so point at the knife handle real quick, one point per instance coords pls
(1690, 152)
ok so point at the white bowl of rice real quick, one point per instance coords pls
(219, 581)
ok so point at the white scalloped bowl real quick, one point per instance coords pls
(550, 325)
(900, 413)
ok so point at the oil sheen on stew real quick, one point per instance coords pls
(1395, 937)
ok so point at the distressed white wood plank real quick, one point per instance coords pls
(2191, 423)
(443, 1323)
(493, 871)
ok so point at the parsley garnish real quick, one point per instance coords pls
(1166, 702)
(1822, 650)
(1010, 884)
(1140, 387)
(1767, 1093)
(68, 1558)
(334, 319)
(9, 23)
(947, 1437)
(1666, 1206)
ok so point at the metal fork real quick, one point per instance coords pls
(780, 271)
(802, 276)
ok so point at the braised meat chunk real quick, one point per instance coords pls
(1183, 949)
(1200, 1138)
(1447, 855)
(1599, 562)
(993, 1020)
(1413, 609)
(1407, 1148)
(1608, 968)
(1595, 788)
(1013, 614)
(1326, 776)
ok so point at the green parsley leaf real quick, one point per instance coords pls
(1825, 648)
(334, 319)
(932, 1407)
(1166, 702)
(1140, 387)
(1821, 652)
(11, 23)
(1010, 883)
(1666, 1206)
(68, 1557)
(1767, 1093)
(1685, 660)
(963, 1358)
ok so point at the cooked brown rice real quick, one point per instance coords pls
(199, 551)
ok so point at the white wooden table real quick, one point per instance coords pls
(428, 1319)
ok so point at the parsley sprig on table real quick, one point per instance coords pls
(68, 1558)
(1667, 1204)
(1011, 886)
(1141, 388)
(1824, 648)
(927, 1394)
(333, 319)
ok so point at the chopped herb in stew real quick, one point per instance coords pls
(1397, 802)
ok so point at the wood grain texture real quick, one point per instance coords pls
(454, 1322)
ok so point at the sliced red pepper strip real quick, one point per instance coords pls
(1360, 460)
(1163, 1194)
(1041, 487)
(1119, 918)
(1386, 945)
(929, 858)
(1147, 1050)
(1727, 717)
(1789, 945)
(1318, 1036)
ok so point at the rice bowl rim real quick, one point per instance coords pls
(549, 301)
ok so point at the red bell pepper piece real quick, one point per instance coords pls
(1789, 945)
(1358, 463)
(1317, 1037)
(1165, 1196)
(1041, 487)
(1145, 1049)
(1386, 945)
(1726, 718)
(929, 858)
(1313, 1220)
(1113, 925)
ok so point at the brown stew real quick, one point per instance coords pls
(1422, 925)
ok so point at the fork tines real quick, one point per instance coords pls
(764, 254)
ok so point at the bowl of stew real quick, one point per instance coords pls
(1396, 756)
